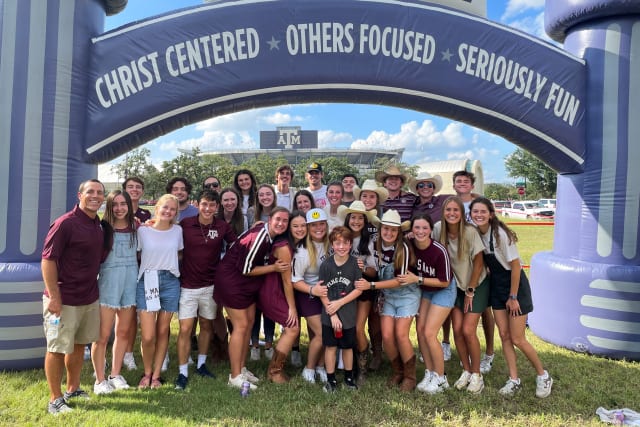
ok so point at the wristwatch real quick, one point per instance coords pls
(471, 290)
(513, 296)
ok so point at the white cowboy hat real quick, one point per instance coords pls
(390, 171)
(358, 207)
(370, 185)
(392, 218)
(426, 177)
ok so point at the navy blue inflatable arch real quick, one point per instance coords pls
(103, 94)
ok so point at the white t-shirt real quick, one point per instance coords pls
(333, 221)
(505, 252)
(463, 267)
(369, 260)
(302, 269)
(319, 196)
(159, 249)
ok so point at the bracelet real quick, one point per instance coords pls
(466, 294)
(311, 291)
(513, 297)
(420, 282)
(373, 286)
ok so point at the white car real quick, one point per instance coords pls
(528, 209)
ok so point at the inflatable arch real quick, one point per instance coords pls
(77, 97)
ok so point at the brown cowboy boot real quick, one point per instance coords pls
(375, 334)
(362, 367)
(409, 380)
(275, 372)
(397, 369)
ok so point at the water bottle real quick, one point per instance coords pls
(244, 391)
(618, 418)
(54, 326)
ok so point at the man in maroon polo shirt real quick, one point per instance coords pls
(73, 250)
(204, 237)
(393, 180)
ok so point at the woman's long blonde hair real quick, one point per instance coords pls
(460, 227)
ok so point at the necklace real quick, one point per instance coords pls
(205, 236)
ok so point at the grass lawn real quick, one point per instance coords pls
(582, 384)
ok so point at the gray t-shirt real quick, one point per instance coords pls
(340, 281)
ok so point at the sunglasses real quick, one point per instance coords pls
(212, 185)
(425, 184)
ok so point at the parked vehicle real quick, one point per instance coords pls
(547, 203)
(528, 209)
(500, 205)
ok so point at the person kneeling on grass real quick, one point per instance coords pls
(339, 274)
(510, 295)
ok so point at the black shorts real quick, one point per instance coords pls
(329, 339)
(369, 295)
(501, 288)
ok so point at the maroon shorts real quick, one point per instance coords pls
(272, 300)
(307, 306)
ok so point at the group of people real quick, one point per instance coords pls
(359, 262)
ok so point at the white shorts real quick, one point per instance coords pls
(197, 302)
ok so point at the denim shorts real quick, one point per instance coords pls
(445, 297)
(118, 286)
(401, 302)
(169, 292)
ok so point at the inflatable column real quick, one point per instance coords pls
(44, 51)
(587, 290)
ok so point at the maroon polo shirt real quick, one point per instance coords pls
(142, 214)
(403, 204)
(203, 245)
(75, 243)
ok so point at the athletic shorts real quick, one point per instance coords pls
(329, 339)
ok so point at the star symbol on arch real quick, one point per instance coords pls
(446, 55)
(273, 43)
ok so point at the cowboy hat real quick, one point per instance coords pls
(392, 218)
(358, 207)
(393, 170)
(426, 177)
(370, 185)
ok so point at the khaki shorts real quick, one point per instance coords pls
(197, 302)
(78, 325)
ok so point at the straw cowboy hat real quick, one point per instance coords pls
(392, 218)
(358, 207)
(426, 177)
(370, 185)
(390, 171)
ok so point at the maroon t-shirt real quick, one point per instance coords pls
(203, 245)
(142, 214)
(432, 262)
(75, 243)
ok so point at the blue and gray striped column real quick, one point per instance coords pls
(587, 291)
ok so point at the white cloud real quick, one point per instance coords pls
(516, 7)
(331, 139)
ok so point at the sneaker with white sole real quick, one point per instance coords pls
(165, 363)
(476, 384)
(543, 385)
(438, 384)
(511, 387)
(446, 351)
(129, 362)
(59, 406)
(485, 363)
(255, 353)
(238, 382)
(296, 359)
(268, 353)
(190, 361)
(463, 381)
(322, 374)
(422, 385)
(76, 394)
(309, 375)
(249, 376)
(103, 387)
(118, 382)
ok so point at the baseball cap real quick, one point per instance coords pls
(314, 167)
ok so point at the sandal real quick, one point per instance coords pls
(145, 381)
(156, 383)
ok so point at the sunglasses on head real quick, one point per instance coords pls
(212, 185)
(426, 184)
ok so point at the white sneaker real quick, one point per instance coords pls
(446, 351)
(255, 353)
(476, 384)
(165, 363)
(103, 387)
(340, 361)
(543, 385)
(129, 362)
(249, 376)
(238, 381)
(485, 363)
(463, 381)
(118, 382)
(438, 384)
(190, 361)
(268, 353)
(511, 387)
(322, 374)
(309, 375)
(296, 359)
(422, 385)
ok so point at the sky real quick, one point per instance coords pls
(425, 138)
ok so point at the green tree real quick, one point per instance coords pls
(135, 163)
(264, 167)
(499, 191)
(220, 167)
(333, 168)
(541, 180)
(188, 165)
